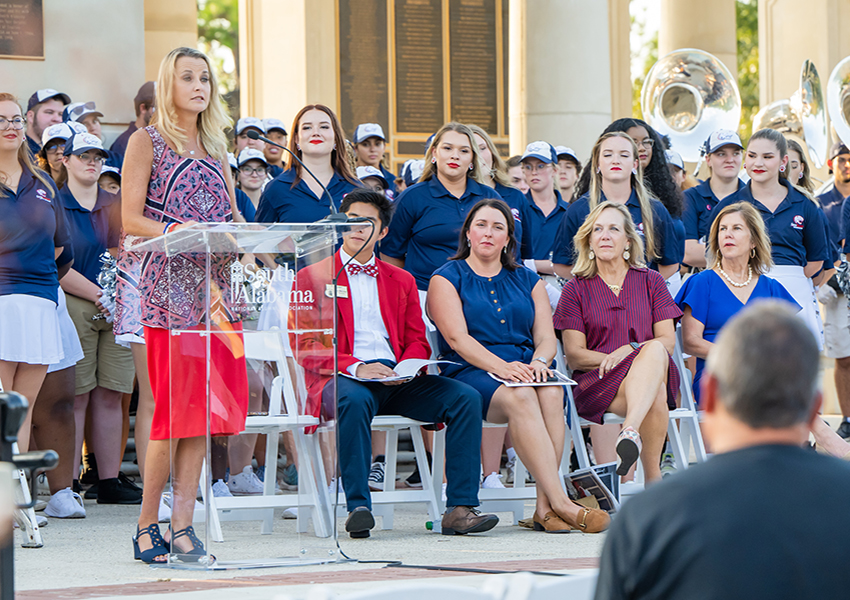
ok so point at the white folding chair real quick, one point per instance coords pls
(269, 346)
(25, 517)
(682, 419)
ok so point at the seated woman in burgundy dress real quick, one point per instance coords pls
(618, 328)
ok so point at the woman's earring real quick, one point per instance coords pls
(634, 171)
(504, 249)
(800, 176)
(471, 167)
(334, 147)
(782, 169)
(752, 252)
(433, 161)
(297, 147)
(468, 243)
(598, 170)
(591, 255)
(626, 254)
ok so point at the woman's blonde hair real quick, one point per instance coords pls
(499, 170)
(595, 192)
(477, 171)
(212, 121)
(25, 157)
(585, 266)
(761, 259)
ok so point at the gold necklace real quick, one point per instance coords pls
(614, 288)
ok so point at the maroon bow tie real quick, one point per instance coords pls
(371, 270)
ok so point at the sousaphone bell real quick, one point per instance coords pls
(687, 95)
(838, 99)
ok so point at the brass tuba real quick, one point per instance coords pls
(803, 115)
(687, 95)
(838, 99)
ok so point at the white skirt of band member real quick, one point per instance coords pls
(29, 330)
(274, 313)
(674, 283)
(71, 346)
(800, 287)
(125, 339)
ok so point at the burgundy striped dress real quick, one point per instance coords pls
(609, 322)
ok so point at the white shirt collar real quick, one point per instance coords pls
(344, 258)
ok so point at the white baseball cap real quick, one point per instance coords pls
(248, 122)
(366, 130)
(675, 159)
(57, 131)
(83, 142)
(364, 172)
(720, 138)
(251, 154)
(564, 151)
(271, 124)
(542, 151)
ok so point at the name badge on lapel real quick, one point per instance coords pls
(341, 291)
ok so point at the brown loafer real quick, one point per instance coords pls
(551, 523)
(461, 520)
(590, 520)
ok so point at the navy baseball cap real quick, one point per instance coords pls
(412, 169)
(44, 95)
(542, 151)
(83, 142)
(838, 148)
(366, 130)
(274, 124)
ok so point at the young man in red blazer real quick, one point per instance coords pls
(380, 324)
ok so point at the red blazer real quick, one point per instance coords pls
(400, 310)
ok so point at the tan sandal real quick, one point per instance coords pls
(590, 520)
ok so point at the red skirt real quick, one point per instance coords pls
(180, 409)
(593, 396)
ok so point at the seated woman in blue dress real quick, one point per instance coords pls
(494, 317)
(739, 257)
(617, 319)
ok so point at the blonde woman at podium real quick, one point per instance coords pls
(175, 176)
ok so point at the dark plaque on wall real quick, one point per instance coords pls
(22, 29)
(363, 71)
(418, 65)
(472, 53)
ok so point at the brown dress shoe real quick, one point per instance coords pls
(551, 523)
(461, 520)
(590, 520)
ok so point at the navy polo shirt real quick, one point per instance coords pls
(426, 225)
(832, 203)
(698, 213)
(119, 146)
(283, 203)
(34, 146)
(245, 206)
(390, 177)
(519, 207)
(92, 231)
(275, 170)
(543, 229)
(665, 235)
(32, 225)
(796, 229)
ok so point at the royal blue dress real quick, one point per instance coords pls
(713, 304)
(499, 313)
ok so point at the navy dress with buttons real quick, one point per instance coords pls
(426, 225)
(499, 313)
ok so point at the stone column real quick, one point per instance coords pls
(287, 52)
(560, 73)
(708, 26)
(169, 24)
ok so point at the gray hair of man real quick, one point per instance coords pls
(765, 363)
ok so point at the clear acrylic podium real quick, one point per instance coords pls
(247, 308)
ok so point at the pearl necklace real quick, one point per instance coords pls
(735, 283)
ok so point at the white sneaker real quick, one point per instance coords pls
(332, 488)
(65, 504)
(220, 489)
(290, 513)
(443, 495)
(245, 483)
(493, 481)
(40, 520)
(376, 477)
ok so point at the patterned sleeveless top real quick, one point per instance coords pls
(169, 293)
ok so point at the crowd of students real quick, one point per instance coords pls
(481, 249)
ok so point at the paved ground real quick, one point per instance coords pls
(92, 558)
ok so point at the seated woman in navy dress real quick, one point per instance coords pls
(618, 328)
(739, 257)
(494, 317)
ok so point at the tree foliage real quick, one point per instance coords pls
(218, 37)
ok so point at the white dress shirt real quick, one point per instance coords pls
(371, 340)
